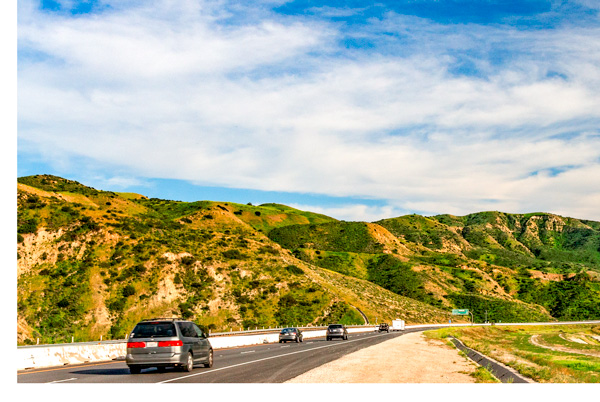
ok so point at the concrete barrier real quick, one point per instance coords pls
(63, 354)
(58, 355)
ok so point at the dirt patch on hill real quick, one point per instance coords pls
(411, 358)
(546, 276)
(537, 341)
(390, 242)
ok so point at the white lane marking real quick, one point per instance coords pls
(54, 382)
(266, 358)
(250, 351)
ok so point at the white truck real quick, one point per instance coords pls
(397, 325)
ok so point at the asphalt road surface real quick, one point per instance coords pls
(270, 363)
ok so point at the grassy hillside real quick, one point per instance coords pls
(515, 267)
(546, 354)
(547, 242)
(93, 262)
(333, 236)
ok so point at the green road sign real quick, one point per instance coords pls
(460, 312)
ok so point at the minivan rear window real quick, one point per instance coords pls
(335, 326)
(154, 330)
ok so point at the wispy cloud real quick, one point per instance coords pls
(354, 212)
(431, 117)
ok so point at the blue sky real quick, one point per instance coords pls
(357, 110)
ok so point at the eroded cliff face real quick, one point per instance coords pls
(49, 247)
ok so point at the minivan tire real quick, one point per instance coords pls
(189, 365)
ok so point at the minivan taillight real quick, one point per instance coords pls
(166, 344)
(136, 344)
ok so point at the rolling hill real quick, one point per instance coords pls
(92, 263)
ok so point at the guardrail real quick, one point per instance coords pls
(35, 356)
(277, 329)
(210, 334)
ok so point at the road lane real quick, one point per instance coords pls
(269, 363)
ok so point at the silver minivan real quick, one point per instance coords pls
(167, 342)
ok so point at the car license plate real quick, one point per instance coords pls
(151, 344)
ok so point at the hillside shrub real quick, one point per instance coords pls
(295, 270)
(28, 226)
(128, 290)
(341, 313)
(233, 254)
(187, 260)
(117, 305)
(397, 276)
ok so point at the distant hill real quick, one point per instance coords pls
(93, 262)
(544, 241)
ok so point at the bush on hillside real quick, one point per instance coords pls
(394, 275)
(293, 269)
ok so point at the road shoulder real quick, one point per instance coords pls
(410, 358)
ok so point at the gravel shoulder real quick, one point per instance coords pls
(410, 358)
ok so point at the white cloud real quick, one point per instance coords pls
(354, 212)
(278, 105)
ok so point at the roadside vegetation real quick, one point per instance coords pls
(546, 354)
(483, 375)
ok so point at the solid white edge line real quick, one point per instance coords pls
(260, 360)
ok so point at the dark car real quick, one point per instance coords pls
(167, 342)
(384, 327)
(290, 334)
(336, 331)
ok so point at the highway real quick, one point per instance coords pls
(269, 363)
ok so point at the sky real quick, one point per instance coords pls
(354, 109)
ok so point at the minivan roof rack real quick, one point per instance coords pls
(162, 319)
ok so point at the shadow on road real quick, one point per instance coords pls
(99, 371)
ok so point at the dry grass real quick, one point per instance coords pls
(513, 347)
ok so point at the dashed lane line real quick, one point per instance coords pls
(261, 360)
(57, 381)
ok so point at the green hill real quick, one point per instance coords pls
(94, 262)
(530, 265)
